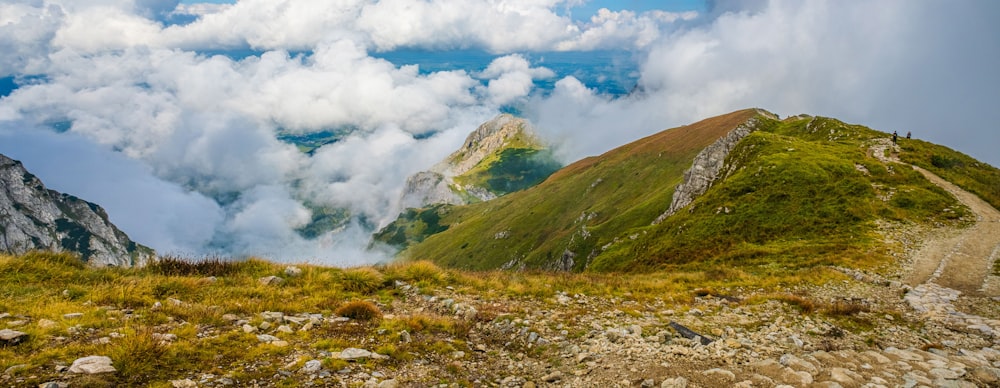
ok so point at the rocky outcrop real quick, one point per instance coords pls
(35, 218)
(707, 165)
(490, 137)
(439, 186)
(429, 187)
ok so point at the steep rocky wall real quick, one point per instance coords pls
(33, 217)
(706, 167)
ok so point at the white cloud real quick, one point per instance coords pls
(890, 65)
(507, 26)
(511, 78)
(25, 32)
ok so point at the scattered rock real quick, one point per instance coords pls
(844, 376)
(986, 374)
(72, 315)
(676, 382)
(186, 383)
(92, 365)
(292, 271)
(721, 374)
(47, 324)
(312, 366)
(552, 377)
(351, 354)
(14, 369)
(273, 316)
(388, 384)
(266, 338)
(271, 280)
(11, 337)
(165, 337)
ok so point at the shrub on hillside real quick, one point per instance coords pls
(361, 310)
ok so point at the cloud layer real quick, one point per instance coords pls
(181, 147)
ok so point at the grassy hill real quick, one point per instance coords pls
(797, 193)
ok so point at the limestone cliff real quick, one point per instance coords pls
(33, 217)
(707, 165)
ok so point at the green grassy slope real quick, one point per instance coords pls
(806, 193)
(801, 192)
(605, 194)
(973, 176)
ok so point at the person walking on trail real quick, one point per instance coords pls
(894, 137)
(907, 134)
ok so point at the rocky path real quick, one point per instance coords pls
(961, 262)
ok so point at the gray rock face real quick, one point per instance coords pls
(437, 186)
(428, 187)
(490, 137)
(706, 167)
(35, 218)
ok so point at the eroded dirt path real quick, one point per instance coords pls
(960, 260)
(954, 263)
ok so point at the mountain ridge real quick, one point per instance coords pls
(804, 189)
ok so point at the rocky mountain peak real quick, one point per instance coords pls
(33, 217)
(448, 182)
(501, 132)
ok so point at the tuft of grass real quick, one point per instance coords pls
(361, 310)
(804, 305)
(62, 259)
(138, 356)
(364, 280)
(213, 266)
(423, 271)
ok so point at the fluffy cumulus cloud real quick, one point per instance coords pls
(512, 78)
(120, 103)
(904, 66)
